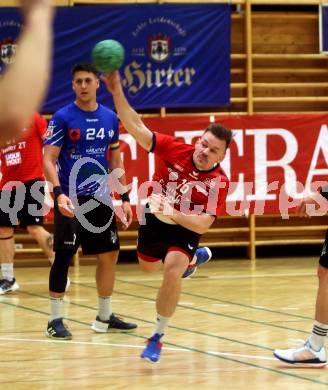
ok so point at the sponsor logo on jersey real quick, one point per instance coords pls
(92, 119)
(74, 134)
(13, 159)
(50, 130)
(96, 151)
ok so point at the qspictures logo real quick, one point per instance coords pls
(9, 32)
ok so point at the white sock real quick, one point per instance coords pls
(104, 308)
(161, 323)
(319, 333)
(7, 270)
(56, 308)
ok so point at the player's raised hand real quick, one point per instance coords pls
(112, 82)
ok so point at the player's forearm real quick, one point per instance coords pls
(117, 172)
(197, 223)
(131, 120)
(50, 171)
(24, 85)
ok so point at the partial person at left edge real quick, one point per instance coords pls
(24, 83)
(22, 189)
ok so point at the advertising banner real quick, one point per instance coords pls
(272, 161)
(175, 55)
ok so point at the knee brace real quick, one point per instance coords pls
(59, 271)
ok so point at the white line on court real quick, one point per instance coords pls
(241, 356)
(243, 276)
(70, 342)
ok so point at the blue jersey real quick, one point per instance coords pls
(84, 138)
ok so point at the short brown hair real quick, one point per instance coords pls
(84, 67)
(220, 132)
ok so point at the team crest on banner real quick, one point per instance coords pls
(8, 52)
(10, 27)
(159, 48)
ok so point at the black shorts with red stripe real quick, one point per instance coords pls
(157, 238)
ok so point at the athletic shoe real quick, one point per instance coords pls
(7, 286)
(56, 329)
(302, 356)
(114, 323)
(68, 283)
(202, 256)
(152, 352)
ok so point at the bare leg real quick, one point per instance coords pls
(169, 293)
(153, 266)
(105, 273)
(43, 238)
(321, 309)
(7, 245)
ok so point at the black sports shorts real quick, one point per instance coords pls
(96, 232)
(157, 238)
(29, 209)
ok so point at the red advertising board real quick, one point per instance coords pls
(272, 162)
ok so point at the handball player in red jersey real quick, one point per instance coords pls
(22, 197)
(187, 192)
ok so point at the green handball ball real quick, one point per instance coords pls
(107, 56)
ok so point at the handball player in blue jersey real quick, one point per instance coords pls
(81, 147)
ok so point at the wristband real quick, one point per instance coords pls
(125, 197)
(324, 192)
(57, 191)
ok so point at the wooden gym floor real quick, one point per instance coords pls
(231, 315)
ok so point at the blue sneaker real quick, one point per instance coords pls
(202, 256)
(153, 350)
(56, 329)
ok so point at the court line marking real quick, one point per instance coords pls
(242, 355)
(195, 278)
(28, 340)
(218, 300)
(68, 342)
(234, 360)
(182, 306)
(147, 322)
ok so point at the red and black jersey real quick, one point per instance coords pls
(21, 159)
(191, 190)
